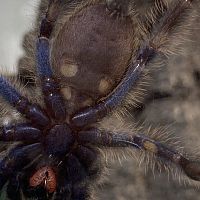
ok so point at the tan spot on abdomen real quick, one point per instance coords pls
(87, 102)
(67, 93)
(105, 85)
(150, 146)
(68, 68)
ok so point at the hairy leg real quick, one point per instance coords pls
(20, 132)
(142, 142)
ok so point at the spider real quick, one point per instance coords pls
(85, 73)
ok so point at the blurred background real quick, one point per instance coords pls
(16, 18)
(173, 98)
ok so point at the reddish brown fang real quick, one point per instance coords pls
(44, 176)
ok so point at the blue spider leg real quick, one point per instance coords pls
(141, 142)
(20, 132)
(134, 71)
(16, 159)
(52, 96)
(31, 111)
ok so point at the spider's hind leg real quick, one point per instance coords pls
(50, 86)
(163, 154)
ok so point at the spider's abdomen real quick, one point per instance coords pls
(91, 54)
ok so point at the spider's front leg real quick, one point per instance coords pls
(142, 142)
(20, 132)
(50, 87)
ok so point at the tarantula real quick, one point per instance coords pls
(84, 73)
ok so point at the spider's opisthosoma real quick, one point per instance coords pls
(85, 71)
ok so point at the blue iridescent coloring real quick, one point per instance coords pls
(43, 58)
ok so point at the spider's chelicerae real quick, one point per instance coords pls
(88, 69)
